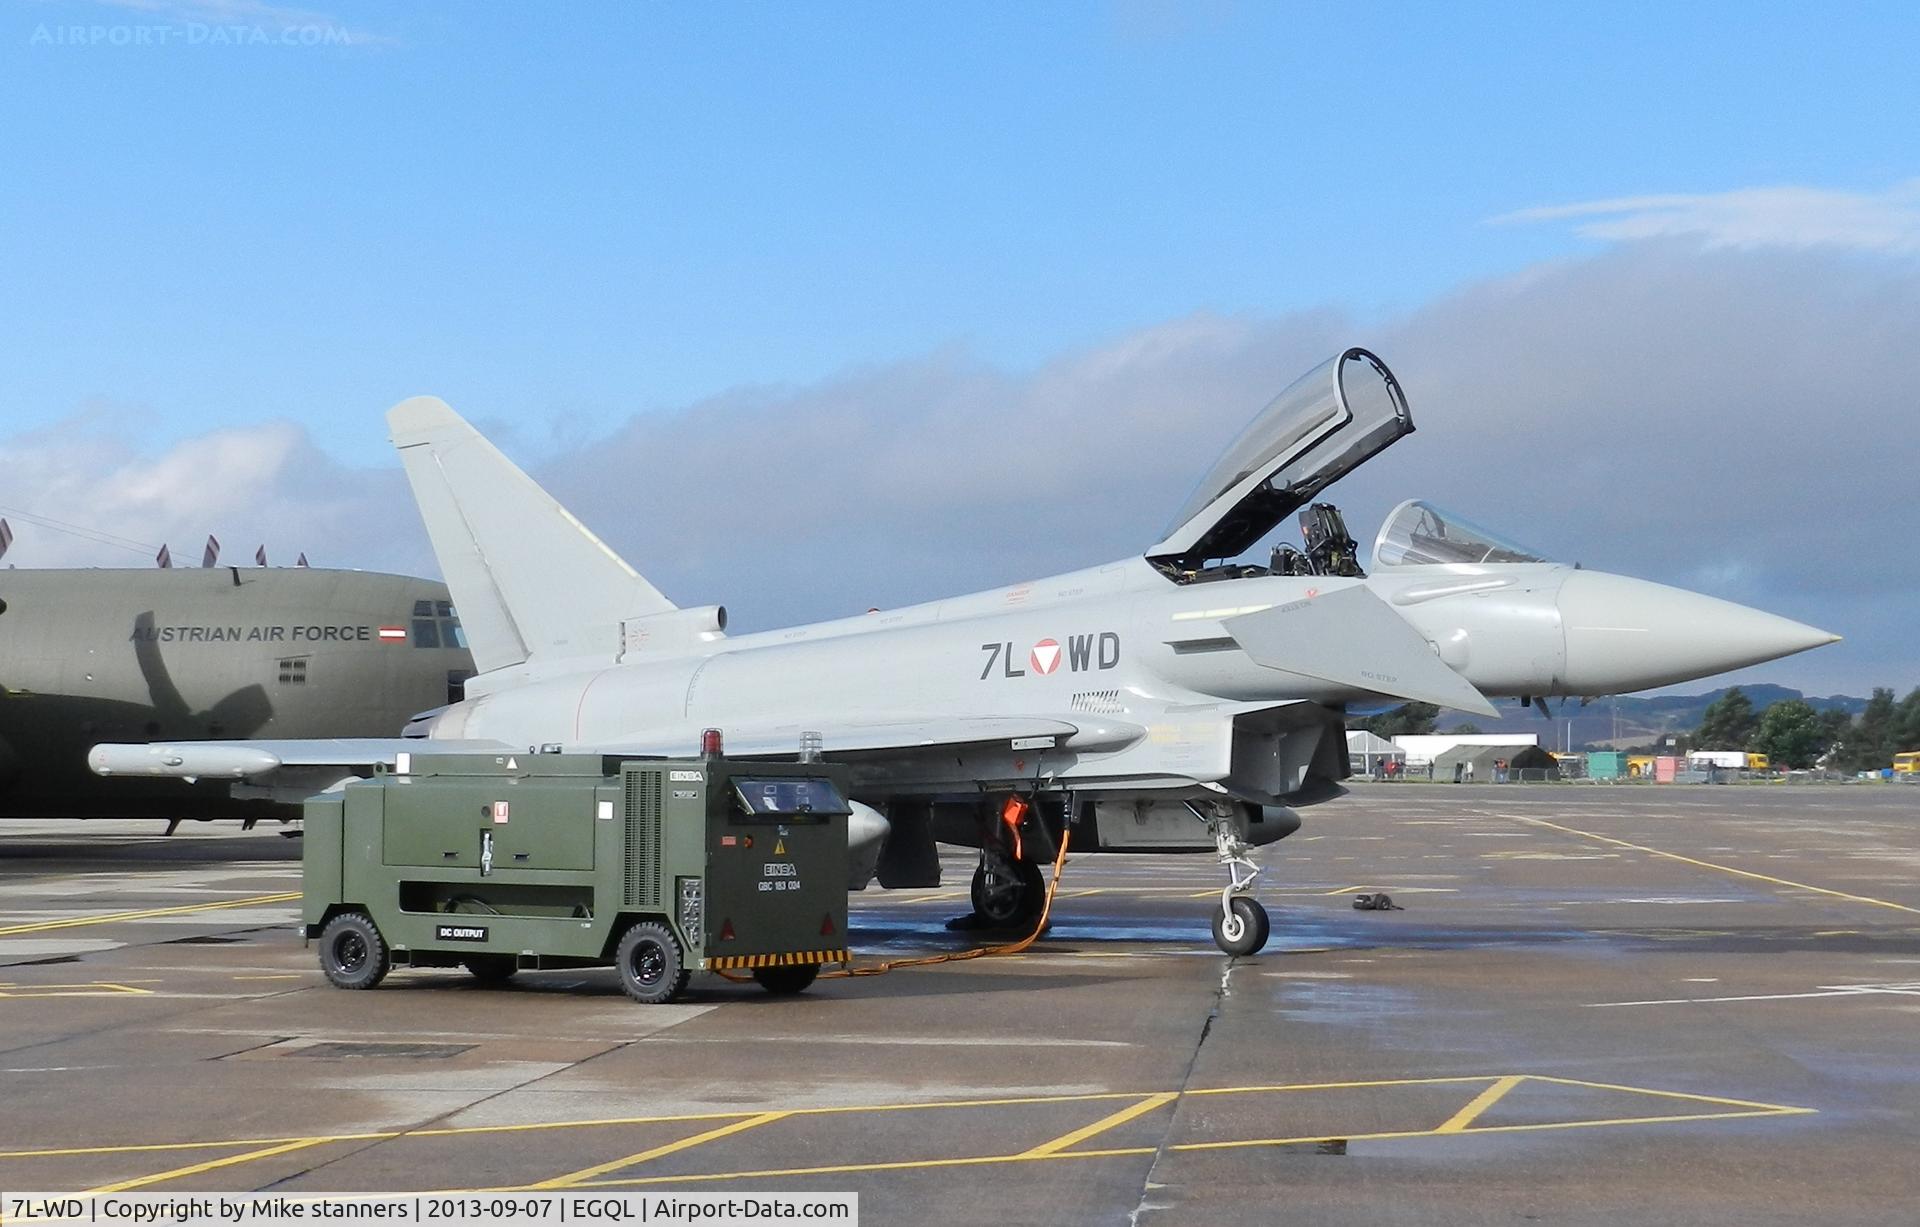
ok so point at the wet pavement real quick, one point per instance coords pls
(1600, 1005)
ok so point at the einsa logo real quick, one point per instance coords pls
(1080, 654)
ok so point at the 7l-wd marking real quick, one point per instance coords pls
(1083, 654)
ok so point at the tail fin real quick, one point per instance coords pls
(527, 578)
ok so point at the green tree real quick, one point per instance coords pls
(1869, 744)
(1467, 728)
(1791, 734)
(1727, 724)
(1906, 723)
(1413, 718)
(1842, 737)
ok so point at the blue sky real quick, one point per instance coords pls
(567, 220)
(628, 205)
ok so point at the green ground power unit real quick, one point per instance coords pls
(510, 862)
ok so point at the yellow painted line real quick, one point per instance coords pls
(1641, 1090)
(1480, 1103)
(1427, 1133)
(1136, 1151)
(287, 975)
(688, 1143)
(1738, 873)
(377, 1135)
(97, 989)
(75, 922)
(140, 1182)
(1339, 1086)
(1749, 1107)
(1101, 1126)
(843, 1168)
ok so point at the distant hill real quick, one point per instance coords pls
(1628, 720)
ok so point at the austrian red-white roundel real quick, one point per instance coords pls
(1046, 657)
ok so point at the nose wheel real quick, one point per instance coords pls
(1240, 924)
(1241, 927)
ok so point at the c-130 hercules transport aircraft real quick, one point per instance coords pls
(1172, 701)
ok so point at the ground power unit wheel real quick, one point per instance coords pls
(1243, 932)
(352, 952)
(653, 968)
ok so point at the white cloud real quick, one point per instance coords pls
(1885, 221)
(249, 486)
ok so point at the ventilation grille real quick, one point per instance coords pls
(643, 838)
(1099, 702)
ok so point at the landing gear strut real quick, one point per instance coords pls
(1240, 924)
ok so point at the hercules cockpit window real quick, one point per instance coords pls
(436, 625)
(1420, 534)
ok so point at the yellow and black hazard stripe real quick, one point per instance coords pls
(740, 962)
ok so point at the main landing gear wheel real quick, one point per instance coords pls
(1006, 899)
(1243, 928)
(352, 952)
(786, 981)
(492, 968)
(653, 969)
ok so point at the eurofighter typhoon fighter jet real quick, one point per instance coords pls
(1174, 700)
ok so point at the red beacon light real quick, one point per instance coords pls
(711, 744)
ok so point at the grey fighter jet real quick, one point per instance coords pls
(1180, 699)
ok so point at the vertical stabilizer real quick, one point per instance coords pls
(528, 579)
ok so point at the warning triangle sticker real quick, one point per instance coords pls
(513, 764)
(779, 847)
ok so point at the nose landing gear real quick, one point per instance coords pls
(1240, 924)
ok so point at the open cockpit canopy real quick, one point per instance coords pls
(1325, 425)
(1418, 534)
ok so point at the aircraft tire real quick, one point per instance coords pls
(1247, 932)
(352, 952)
(786, 981)
(653, 969)
(491, 968)
(1009, 909)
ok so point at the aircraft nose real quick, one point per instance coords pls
(1628, 634)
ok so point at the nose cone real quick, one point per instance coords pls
(1627, 634)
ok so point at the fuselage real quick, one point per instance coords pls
(1146, 668)
(147, 655)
